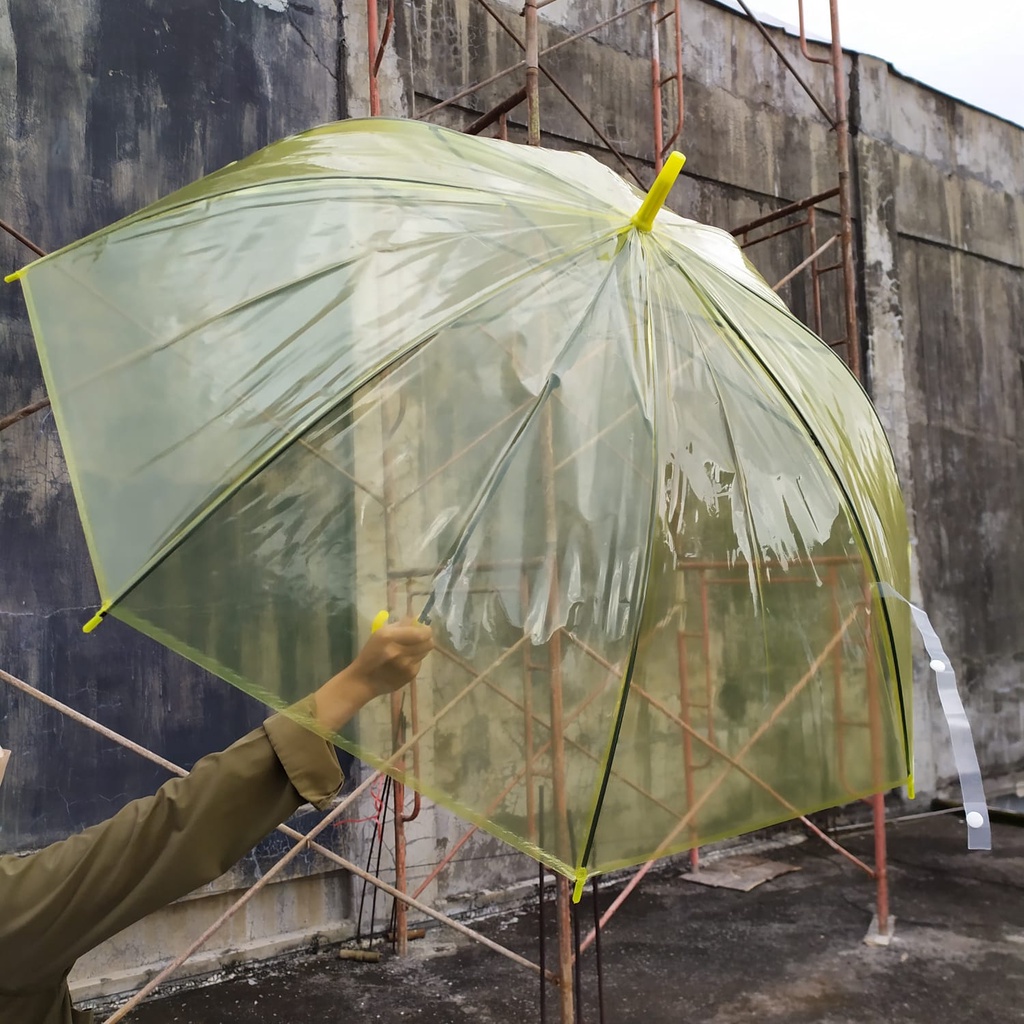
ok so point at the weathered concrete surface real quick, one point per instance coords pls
(941, 205)
(790, 952)
(106, 104)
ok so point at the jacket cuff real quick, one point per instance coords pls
(310, 761)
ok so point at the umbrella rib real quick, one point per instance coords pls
(504, 460)
(741, 476)
(282, 444)
(713, 786)
(642, 584)
(615, 670)
(144, 216)
(836, 475)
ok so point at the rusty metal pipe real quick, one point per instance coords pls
(287, 830)
(18, 236)
(842, 127)
(803, 39)
(804, 263)
(371, 55)
(19, 414)
(678, 76)
(532, 73)
(389, 24)
(654, 11)
(496, 113)
(785, 211)
(785, 60)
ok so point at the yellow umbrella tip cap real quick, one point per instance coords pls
(581, 880)
(643, 219)
(97, 618)
(16, 276)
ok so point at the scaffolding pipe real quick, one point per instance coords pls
(371, 55)
(532, 73)
(842, 127)
(291, 833)
(803, 39)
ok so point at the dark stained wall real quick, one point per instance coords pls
(106, 105)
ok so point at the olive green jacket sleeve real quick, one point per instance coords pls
(62, 901)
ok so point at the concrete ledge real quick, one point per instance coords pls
(282, 918)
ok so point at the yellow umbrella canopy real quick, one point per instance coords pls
(644, 509)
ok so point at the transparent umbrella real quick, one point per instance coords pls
(644, 510)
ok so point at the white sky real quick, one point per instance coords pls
(971, 49)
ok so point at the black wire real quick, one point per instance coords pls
(540, 898)
(597, 951)
(380, 847)
(377, 828)
(577, 971)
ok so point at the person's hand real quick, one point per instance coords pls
(389, 660)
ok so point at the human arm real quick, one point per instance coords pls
(60, 902)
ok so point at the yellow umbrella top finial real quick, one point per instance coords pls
(644, 217)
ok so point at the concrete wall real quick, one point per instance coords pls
(942, 254)
(107, 104)
(104, 106)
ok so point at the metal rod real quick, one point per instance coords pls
(575, 744)
(878, 775)
(881, 863)
(495, 113)
(616, 903)
(734, 760)
(803, 39)
(712, 788)
(44, 403)
(378, 826)
(513, 782)
(397, 699)
(824, 247)
(785, 60)
(775, 234)
(785, 211)
(264, 880)
(812, 229)
(563, 904)
(528, 669)
(371, 55)
(532, 73)
(597, 951)
(18, 236)
(595, 128)
(654, 11)
(389, 24)
(540, 911)
(19, 414)
(557, 727)
(521, 64)
(577, 966)
(379, 839)
(842, 127)
(291, 833)
(470, 90)
(747, 773)
(678, 76)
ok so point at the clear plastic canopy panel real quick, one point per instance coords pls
(644, 510)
